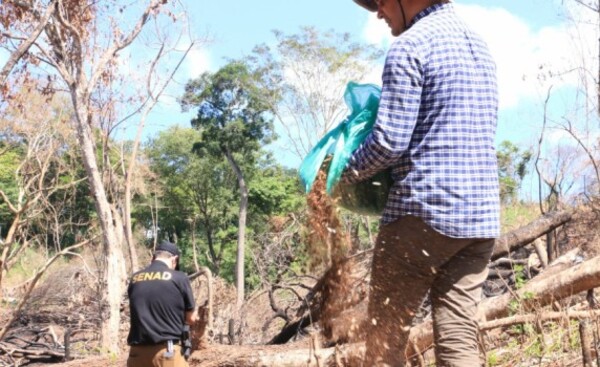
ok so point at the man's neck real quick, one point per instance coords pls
(412, 8)
(165, 261)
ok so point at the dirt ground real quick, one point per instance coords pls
(216, 355)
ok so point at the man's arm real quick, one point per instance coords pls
(191, 317)
(396, 118)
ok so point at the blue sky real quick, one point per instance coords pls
(528, 38)
(521, 34)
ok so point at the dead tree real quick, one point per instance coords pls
(79, 48)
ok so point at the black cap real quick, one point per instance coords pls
(370, 5)
(169, 247)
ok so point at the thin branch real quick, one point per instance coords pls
(25, 45)
(539, 150)
(118, 46)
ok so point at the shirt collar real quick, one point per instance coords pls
(429, 10)
(159, 264)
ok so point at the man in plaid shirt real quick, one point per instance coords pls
(435, 131)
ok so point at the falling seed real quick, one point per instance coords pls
(387, 301)
(433, 270)
(425, 253)
(374, 322)
(355, 172)
(376, 183)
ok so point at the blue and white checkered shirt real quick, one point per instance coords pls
(435, 128)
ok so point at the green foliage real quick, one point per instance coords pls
(274, 190)
(512, 167)
(233, 116)
(518, 214)
(9, 161)
(196, 193)
(492, 359)
(308, 72)
(519, 271)
(199, 193)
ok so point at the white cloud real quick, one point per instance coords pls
(523, 55)
(197, 62)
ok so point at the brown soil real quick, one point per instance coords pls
(327, 241)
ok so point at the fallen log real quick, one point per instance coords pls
(531, 318)
(527, 234)
(352, 354)
(538, 292)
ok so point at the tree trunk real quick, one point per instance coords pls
(527, 234)
(114, 272)
(8, 241)
(239, 264)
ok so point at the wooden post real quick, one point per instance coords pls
(550, 246)
(67, 344)
(541, 252)
(586, 341)
(231, 331)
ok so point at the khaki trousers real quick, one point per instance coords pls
(153, 356)
(409, 259)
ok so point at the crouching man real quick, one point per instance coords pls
(161, 304)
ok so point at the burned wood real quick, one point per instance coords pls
(503, 261)
(527, 234)
(29, 345)
(313, 302)
(501, 273)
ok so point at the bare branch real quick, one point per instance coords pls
(539, 149)
(118, 46)
(25, 45)
(7, 201)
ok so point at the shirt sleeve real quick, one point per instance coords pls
(188, 296)
(396, 118)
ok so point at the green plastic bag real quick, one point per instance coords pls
(367, 197)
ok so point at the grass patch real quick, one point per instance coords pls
(517, 215)
(29, 261)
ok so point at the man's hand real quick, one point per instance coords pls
(191, 317)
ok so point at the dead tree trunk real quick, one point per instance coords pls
(527, 234)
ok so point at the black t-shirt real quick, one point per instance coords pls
(158, 300)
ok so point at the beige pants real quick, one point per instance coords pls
(153, 356)
(409, 259)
